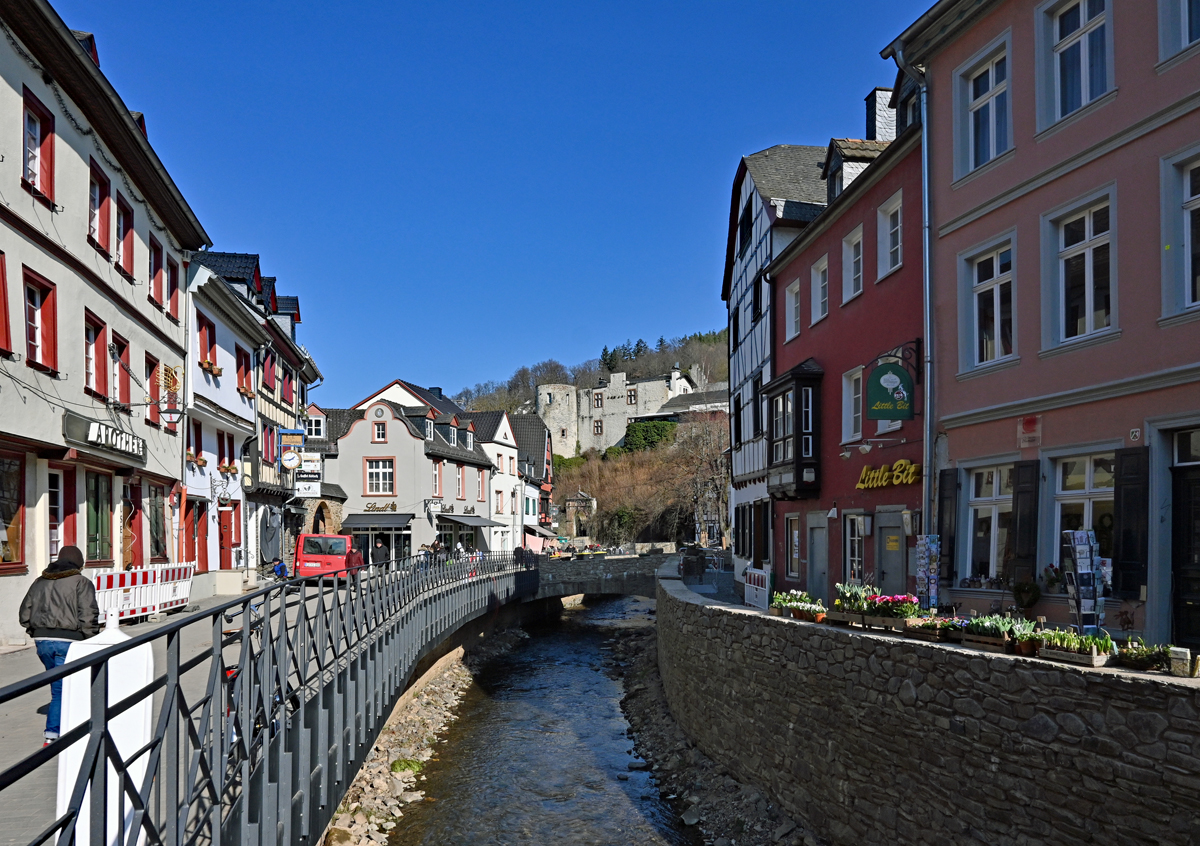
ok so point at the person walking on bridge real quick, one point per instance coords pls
(60, 607)
(380, 555)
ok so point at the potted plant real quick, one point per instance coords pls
(850, 604)
(1025, 636)
(201, 461)
(1068, 647)
(891, 612)
(1137, 655)
(190, 455)
(924, 628)
(1053, 578)
(989, 633)
(778, 604)
(216, 371)
(246, 392)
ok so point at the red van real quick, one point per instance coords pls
(317, 555)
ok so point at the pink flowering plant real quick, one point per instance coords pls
(899, 605)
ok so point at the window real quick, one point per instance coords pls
(429, 430)
(153, 389)
(118, 352)
(988, 108)
(206, 336)
(124, 256)
(1084, 488)
(598, 427)
(993, 299)
(499, 502)
(380, 476)
(852, 265)
(453, 435)
(792, 300)
(1191, 213)
(99, 516)
(6, 344)
(12, 514)
(54, 511)
(1191, 24)
(737, 420)
(37, 177)
(1085, 295)
(461, 482)
(470, 440)
(41, 335)
(437, 478)
(852, 405)
(746, 226)
(782, 422)
(854, 547)
(597, 400)
(156, 272)
(482, 484)
(156, 518)
(890, 235)
(244, 372)
(314, 427)
(99, 204)
(756, 303)
(512, 466)
(1080, 55)
(756, 413)
(288, 387)
(222, 455)
(173, 289)
(735, 312)
(820, 289)
(195, 435)
(95, 358)
(990, 506)
(631, 396)
(380, 432)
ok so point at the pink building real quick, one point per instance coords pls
(1065, 195)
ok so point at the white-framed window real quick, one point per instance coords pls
(470, 440)
(1080, 55)
(820, 289)
(990, 510)
(1083, 498)
(1191, 226)
(33, 149)
(453, 436)
(1187, 447)
(891, 236)
(852, 403)
(429, 430)
(462, 489)
(992, 300)
(437, 478)
(92, 356)
(1085, 294)
(479, 495)
(989, 110)
(499, 502)
(122, 228)
(782, 426)
(95, 199)
(314, 427)
(853, 543)
(34, 300)
(792, 299)
(852, 265)
(807, 446)
(380, 433)
(55, 512)
(380, 476)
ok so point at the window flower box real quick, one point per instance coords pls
(200, 461)
(216, 371)
(207, 365)
(246, 392)
(190, 455)
(1092, 659)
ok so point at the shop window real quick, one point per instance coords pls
(95, 357)
(852, 265)
(156, 272)
(820, 289)
(41, 323)
(991, 517)
(1085, 289)
(157, 523)
(99, 517)
(118, 354)
(993, 301)
(852, 397)
(854, 544)
(1084, 487)
(173, 289)
(99, 208)
(124, 254)
(782, 427)
(37, 177)
(380, 476)
(12, 515)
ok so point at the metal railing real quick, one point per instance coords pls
(263, 707)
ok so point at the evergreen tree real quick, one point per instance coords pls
(604, 358)
(641, 348)
(662, 343)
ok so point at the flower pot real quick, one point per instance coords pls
(775, 612)
(819, 617)
(1026, 647)
(799, 614)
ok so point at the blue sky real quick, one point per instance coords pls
(454, 190)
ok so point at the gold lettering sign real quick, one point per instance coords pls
(903, 472)
(377, 506)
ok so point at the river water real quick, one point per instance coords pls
(540, 753)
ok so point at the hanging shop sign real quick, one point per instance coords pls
(308, 490)
(291, 439)
(890, 393)
(903, 472)
(81, 430)
(310, 462)
(380, 506)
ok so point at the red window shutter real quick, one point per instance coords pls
(198, 437)
(5, 327)
(152, 415)
(156, 271)
(33, 104)
(173, 288)
(220, 448)
(237, 523)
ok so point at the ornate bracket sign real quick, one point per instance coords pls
(890, 391)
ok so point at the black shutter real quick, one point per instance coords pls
(1027, 482)
(947, 519)
(1131, 518)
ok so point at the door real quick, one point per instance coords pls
(893, 576)
(131, 525)
(818, 564)
(795, 563)
(201, 517)
(1185, 556)
(225, 536)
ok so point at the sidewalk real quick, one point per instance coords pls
(27, 807)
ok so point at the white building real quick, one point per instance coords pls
(776, 193)
(93, 234)
(494, 433)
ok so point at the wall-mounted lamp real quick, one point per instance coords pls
(864, 448)
(832, 515)
(845, 453)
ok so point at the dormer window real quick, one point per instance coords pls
(429, 430)
(315, 427)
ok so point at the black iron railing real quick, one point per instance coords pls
(263, 707)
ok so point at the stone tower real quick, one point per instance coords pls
(557, 406)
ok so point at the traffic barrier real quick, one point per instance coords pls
(143, 590)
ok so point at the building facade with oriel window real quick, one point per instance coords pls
(93, 241)
(1065, 180)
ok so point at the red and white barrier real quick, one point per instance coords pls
(758, 588)
(144, 590)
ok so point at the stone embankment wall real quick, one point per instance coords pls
(616, 574)
(882, 740)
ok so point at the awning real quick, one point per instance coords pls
(538, 530)
(376, 521)
(469, 520)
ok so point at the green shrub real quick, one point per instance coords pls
(649, 434)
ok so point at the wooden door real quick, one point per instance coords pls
(1185, 556)
(225, 536)
(817, 583)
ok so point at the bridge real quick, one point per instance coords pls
(262, 709)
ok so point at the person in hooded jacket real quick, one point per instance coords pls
(60, 607)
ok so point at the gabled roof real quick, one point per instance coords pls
(531, 434)
(487, 423)
(852, 150)
(289, 306)
(441, 403)
(339, 420)
(696, 399)
(235, 267)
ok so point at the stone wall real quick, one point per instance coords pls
(615, 574)
(882, 740)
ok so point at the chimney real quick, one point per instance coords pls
(437, 392)
(881, 121)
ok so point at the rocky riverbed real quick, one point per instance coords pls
(728, 812)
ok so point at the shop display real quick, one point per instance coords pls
(1083, 571)
(928, 563)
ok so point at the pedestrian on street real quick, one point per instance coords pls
(519, 555)
(354, 560)
(60, 607)
(380, 555)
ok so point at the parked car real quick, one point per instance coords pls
(318, 555)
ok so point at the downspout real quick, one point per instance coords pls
(930, 428)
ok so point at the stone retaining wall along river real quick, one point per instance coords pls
(872, 739)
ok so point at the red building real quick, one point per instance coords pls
(846, 297)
